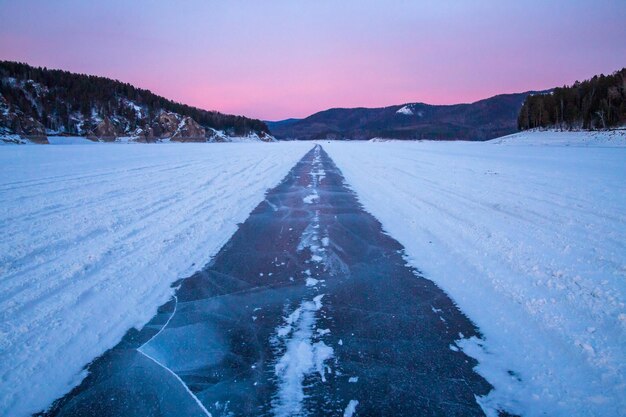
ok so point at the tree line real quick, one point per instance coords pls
(598, 103)
(67, 93)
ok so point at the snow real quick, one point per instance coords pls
(405, 110)
(311, 282)
(250, 138)
(530, 242)
(10, 139)
(132, 105)
(350, 408)
(311, 198)
(409, 110)
(614, 138)
(526, 233)
(70, 140)
(302, 356)
(92, 238)
(14, 140)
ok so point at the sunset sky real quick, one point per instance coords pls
(281, 59)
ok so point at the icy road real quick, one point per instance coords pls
(309, 309)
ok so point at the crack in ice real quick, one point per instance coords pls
(202, 407)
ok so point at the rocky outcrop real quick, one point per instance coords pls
(165, 124)
(173, 126)
(32, 130)
(189, 131)
(143, 134)
(104, 131)
(266, 137)
(215, 136)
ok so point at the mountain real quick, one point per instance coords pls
(482, 120)
(597, 103)
(37, 102)
(280, 123)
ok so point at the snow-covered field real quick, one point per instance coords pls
(93, 236)
(530, 242)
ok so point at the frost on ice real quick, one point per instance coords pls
(303, 355)
(350, 408)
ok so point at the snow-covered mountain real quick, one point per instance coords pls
(36, 103)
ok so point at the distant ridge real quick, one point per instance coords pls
(485, 119)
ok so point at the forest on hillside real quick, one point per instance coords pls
(61, 94)
(598, 103)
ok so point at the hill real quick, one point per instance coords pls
(37, 102)
(482, 120)
(597, 103)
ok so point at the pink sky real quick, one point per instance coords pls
(280, 59)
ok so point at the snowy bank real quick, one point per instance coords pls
(530, 242)
(610, 138)
(92, 238)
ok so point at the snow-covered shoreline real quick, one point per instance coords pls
(530, 242)
(218, 137)
(599, 138)
(92, 238)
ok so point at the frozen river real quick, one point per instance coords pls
(309, 309)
